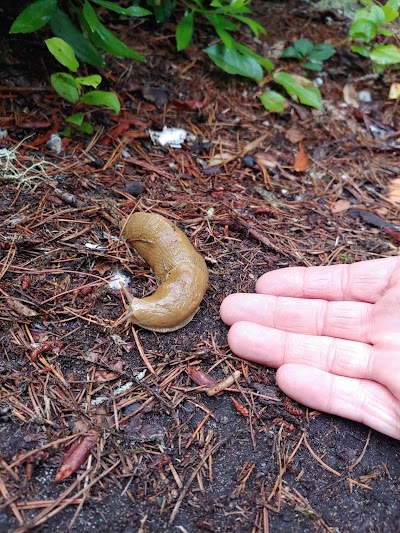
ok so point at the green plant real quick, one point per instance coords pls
(311, 55)
(236, 58)
(369, 28)
(91, 35)
(72, 88)
(230, 55)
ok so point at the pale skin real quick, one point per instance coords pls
(333, 333)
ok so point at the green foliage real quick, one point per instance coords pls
(79, 32)
(91, 35)
(225, 17)
(71, 88)
(34, 17)
(311, 55)
(369, 29)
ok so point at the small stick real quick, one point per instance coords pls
(224, 384)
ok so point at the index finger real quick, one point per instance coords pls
(365, 281)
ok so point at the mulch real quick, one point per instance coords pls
(112, 428)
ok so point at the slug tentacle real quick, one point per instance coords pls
(180, 271)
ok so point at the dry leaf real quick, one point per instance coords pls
(295, 135)
(266, 160)
(20, 308)
(301, 160)
(102, 267)
(339, 206)
(394, 91)
(394, 190)
(350, 96)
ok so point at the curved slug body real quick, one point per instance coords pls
(180, 271)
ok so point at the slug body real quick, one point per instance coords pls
(180, 271)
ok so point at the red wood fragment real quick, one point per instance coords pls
(240, 408)
(77, 456)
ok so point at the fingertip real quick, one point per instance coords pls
(226, 309)
(234, 337)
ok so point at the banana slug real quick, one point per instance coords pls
(181, 274)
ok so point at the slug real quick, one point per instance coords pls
(181, 274)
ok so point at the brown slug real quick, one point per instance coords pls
(180, 271)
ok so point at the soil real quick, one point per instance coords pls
(149, 449)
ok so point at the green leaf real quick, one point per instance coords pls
(76, 119)
(393, 4)
(377, 14)
(66, 132)
(233, 62)
(291, 52)
(363, 30)
(299, 89)
(133, 11)
(85, 127)
(264, 61)
(63, 52)
(387, 54)
(385, 32)
(90, 81)
(184, 30)
(368, 3)
(317, 67)
(91, 17)
(362, 14)
(62, 26)
(162, 10)
(104, 38)
(34, 17)
(360, 50)
(304, 46)
(321, 52)
(105, 98)
(390, 14)
(255, 27)
(66, 86)
(273, 101)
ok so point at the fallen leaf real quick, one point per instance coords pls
(350, 96)
(340, 206)
(295, 135)
(266, 160)
(394, 91)
(300, 163)
(102, 267)
(20, 308)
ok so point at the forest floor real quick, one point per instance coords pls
(157, 453)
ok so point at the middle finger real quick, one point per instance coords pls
(344, 320)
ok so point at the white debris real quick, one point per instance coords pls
(92, 246)
(365, 96)
(117, 280)
(3, 134)
(173, 137)
(54, 143)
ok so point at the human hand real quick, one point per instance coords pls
(333, 332)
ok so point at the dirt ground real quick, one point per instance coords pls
(148, 449)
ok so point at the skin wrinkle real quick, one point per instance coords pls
(323, 319)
